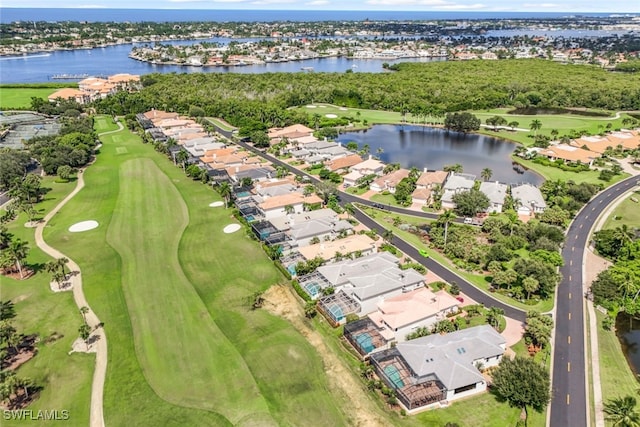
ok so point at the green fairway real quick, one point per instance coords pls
(626, 213)
(174, 303)
(20, 98)
(49, 314)
(371, 116)
(563, 123)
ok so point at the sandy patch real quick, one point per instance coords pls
(83, 226)
(31, 224)
(311, 106)
(65, 285)
(343, 108)
(216, 204)
(79, 346)
(280, 300)
(331, 116)
(231, 228)
(323, 106)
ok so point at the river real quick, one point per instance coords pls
(433, 148)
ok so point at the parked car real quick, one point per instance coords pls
(468, 220)
(423, 253)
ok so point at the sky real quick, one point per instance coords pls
(575, 6)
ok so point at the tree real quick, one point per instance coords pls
(64, 172)
(469, 203)
(349, 209)
(622, 412)
(538, 329)
(224, 189)
(7, 310)
(461, 122)
(457, 168)
(58, 277)
(494, 314)
(486, 174)
(17, 253)
(530, 285)
(85, 333)
(181, 158)
(84, 310)
(445, 218)
(523, 383)
(61, 264)
(535, 126)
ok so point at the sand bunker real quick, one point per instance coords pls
(343, 108)
(216, 204)
(83, 226)
(331, 116)
(231, 228)
(311, 106)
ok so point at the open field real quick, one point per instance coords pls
(20, 98)
(46, 313)
(626, 213)
(280, 377)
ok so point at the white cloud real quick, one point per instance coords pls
(262, 2)
(318, 3)
(543, 6)
(89, 6)
(434, 4)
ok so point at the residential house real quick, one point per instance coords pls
(528, 199)
(355, 244)
(370, 166)
(343, 164)
(455, 183)
(439, 368)
(399, 316)
(254, 172)
(69, 94)
(389, 181)
(568, 154)
(496, 192)
(273, 207)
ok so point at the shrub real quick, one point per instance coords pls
(301, 293)
(283, 270)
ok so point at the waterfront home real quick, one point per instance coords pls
(351, 179)
(528, 199)
(455, 183)
(389, 181)
(627, 140)
(439, 368)
(302, 233)
(568, 154)
(496, 192)
(359, 244)
(431, 179)
(399, 316)
(289, 132)
(422, 196)
(69, 94)
(370, 166)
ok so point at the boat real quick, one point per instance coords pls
(306, 68)
(69, 76)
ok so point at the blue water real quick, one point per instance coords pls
(431, 148)
(176, 15)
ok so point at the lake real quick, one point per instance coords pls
(433, 148)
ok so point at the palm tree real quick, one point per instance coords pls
(622, 412)
(486, 174)
(84, 310)
(17, 251)
(85, 333)
(181, 157)
(535, 126)
(349, 209)
(61, 263)
(493, 316)
(58, 277)
(387, 236)
(445, 218)
(225, 191)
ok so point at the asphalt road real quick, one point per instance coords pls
(437, 268)
(569, 394)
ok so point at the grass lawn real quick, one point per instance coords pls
(616, 377)
(626, 213)
(551, 173)
(386, 220)
(20, 98)
(386, 199)
(371, 116)
(104, 124)
(47, 313)
(160, 253)
(563, 123)
(220, 123)
(357, 191)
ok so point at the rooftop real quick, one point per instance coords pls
(327, 250)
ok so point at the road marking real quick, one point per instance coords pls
(576, 238)
(573, 249)
(581, 225)
(569, 278)
(569, 316)
(568, 366)
(568, 399)
(593, 208)
(569, 295)
(571, 263)
(601, 201)
(569, 339)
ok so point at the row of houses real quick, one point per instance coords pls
(94, 88)
(587, 149)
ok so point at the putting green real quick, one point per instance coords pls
(185, 357)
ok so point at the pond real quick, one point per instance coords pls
(628, 332)
(432, 148)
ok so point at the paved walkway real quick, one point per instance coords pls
(98, 336)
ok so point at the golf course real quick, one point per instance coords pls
(174, 294)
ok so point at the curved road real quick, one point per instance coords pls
(467, 288)
(569, 393)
